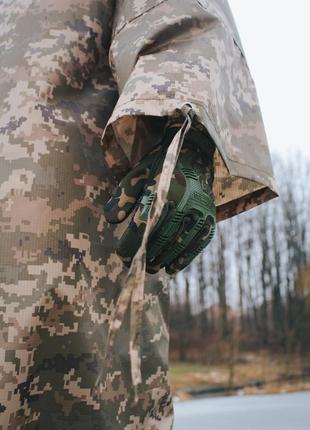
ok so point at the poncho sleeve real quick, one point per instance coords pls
(166, 53)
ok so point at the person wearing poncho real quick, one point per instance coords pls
(88, 91)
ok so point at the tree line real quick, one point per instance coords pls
(250, 289)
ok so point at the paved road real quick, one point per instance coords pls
(276, 412)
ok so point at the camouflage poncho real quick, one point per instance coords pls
(86, 89)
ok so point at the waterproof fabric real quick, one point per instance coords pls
(86, 90)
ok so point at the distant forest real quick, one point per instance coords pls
(250, 289)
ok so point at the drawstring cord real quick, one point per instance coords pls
(133, 289)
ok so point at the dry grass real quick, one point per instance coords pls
(251, 367)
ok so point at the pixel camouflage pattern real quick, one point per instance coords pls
(86, 90)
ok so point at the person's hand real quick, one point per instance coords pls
(188, 221)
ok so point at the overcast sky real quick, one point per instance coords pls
(276, 38)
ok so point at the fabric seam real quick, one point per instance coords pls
(138, 16)
(231, 33)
